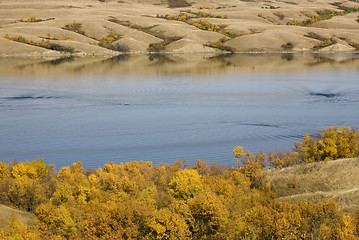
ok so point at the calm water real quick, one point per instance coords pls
(98, 118)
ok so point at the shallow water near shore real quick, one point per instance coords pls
(168, 108)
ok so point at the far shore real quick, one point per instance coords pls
(83, 28)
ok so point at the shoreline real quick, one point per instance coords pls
(177, 64)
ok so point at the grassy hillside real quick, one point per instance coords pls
(320, 181)
(6, 214)
(92, 27)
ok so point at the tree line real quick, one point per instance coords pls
(139, 200)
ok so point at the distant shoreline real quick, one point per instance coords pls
(53, 28)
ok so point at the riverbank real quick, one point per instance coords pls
(55, 28)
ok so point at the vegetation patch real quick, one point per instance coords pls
(44, 44)
(280, 15)
(287, 46)
(117, 47)
(325, 43)
(205, 15)
(323, 15)
(261, 15)
(160, 46)
(220, 45)
(330, 144)
(139, 200)
(50, 37)
(75, 27)
(315, 36)
(291, 3)
(147, 30)
(109, 39)
(178, 3)
(205, 7)
(354, 45)
(33, 20)
(203, 25)
(270, 7)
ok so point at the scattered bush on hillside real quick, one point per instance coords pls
(323, 15)
(325, 43)
(220, 45)
(75, 27)
(280, 15)
(107, 42)
(33, 20)
(354, 45)
(287, 46)
(270, 7)
(160, 46)
(44, 44)
(178, 3)
(201, 14)
(268, 18)
(203, 25)
(315, 36)
(145, 29)
(117, 47)
(109, 39)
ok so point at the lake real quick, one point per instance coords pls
(166, 108)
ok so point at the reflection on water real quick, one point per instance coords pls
(162, 108)
(116, 59)
(177, 64)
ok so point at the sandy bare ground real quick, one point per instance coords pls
(258, 26)
(334, 180)
(7, 214)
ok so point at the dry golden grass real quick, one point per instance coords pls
(254, 26)
(321, 181)
(6, 213)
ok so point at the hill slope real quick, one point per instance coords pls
(321, 181)
(6, 213)
(243, 26)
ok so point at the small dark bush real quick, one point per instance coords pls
(75, 27)
(57, 47)
(156, 47)
(287, 46)
(315, 36)
(178, 3)
(117, 47)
